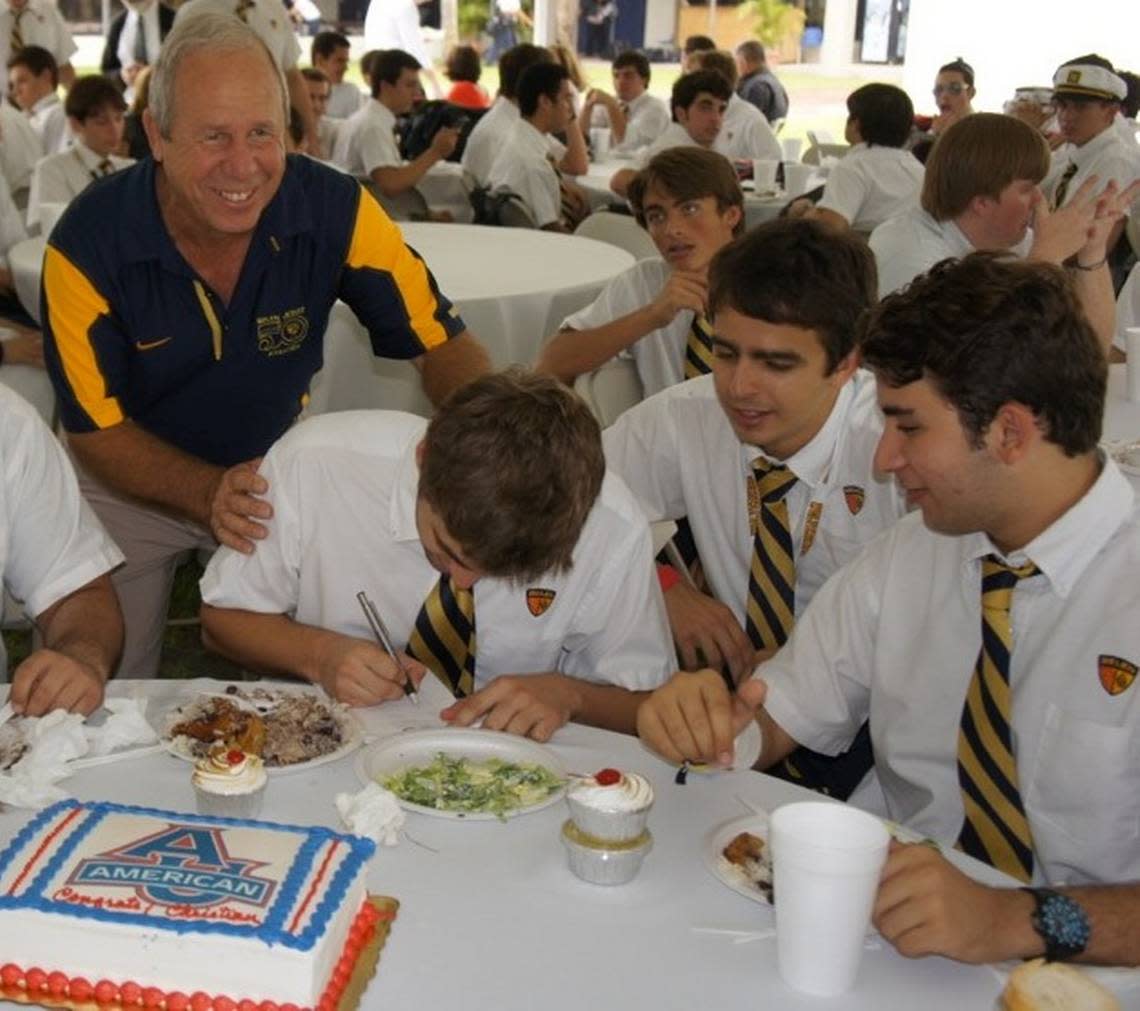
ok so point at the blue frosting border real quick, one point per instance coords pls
(271, 931)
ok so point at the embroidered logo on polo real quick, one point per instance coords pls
(853, 495)
(281, 334)
(1116, 673)
(183, 865)
(538, 600)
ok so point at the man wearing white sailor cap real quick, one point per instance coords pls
(1087, 93)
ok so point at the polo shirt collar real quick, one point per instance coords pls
(813, 462)
(288, 214)
(1066, 548)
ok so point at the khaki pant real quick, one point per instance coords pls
(154, 544)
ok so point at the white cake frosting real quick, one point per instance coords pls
(181, 902)
(631, 792)
(229, 773)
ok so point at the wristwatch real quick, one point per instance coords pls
(1062, 923)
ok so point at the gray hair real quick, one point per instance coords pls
(216, 32)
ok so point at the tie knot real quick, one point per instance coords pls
(999, 579)
(773, 480)
(105, 167)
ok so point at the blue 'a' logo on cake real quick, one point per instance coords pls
(182, 865)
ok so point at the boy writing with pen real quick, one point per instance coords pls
(499, 552)
(770, 457)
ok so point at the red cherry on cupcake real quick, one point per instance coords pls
(234, 756)
(607, 777)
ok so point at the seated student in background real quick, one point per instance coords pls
(489, 135)
(33, 78)
(757, 84)
(366, 143)
(464, 71)
(491, 540)
(94, 108)
(981, 192)
(24, 346)
(990, 636)
(20, 149)
(745, 133)
(878, 178)
(690, 202)
(770, 457)
(56, 561)
(698, 102)
(329, 54)
(523, 165)
(319, 88)
(634, 117)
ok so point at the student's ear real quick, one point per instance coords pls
(846, 366)
(1013, 432)
(732, 215)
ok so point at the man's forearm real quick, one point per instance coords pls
(572, 352)
(776, 742)
(396, 179)
(87, 626)
(451, 365)
(131, 461)
(576, 160)
(609, 707)
(264, 643)
(1094, 289)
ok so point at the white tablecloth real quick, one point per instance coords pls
(492, 918)
(513, 287)
(26, 261)
(442, 187)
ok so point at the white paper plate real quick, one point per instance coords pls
(714, 844)
(350, 729)
(421, 746)
(745, 753)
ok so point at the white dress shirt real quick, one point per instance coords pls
(395, 24)
(41, 25)
(660, 354)
(523, 165)
(646, 118)
(871, 184)
(680, 457)
(20, 147)
(367, 140)
(267, 17)
(912, 242)
(895, 637)
(50, 123)
(488, 136)
(60, 178)
(344, 99)
(1107, 156)
(745, 133)
(675, 135)
(11, 224)
(343, 490)
(51, 544)
(133, 23)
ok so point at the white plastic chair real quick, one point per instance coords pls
(619, 230)
(610, 390)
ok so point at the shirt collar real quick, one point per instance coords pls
(402, 513)
(45, 103)
(532, 138)
(1067, 547)
(1081, 156)
(378, 111)
(287, 214)
(812, 462)
(954, 237)
(90, 160)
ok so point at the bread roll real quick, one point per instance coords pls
(1054, 986)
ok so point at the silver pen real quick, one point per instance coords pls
(377, 625)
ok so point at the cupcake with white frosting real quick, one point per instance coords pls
(610, 806)
(229, 783)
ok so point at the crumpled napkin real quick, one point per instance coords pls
(372, 812)
(60, 742)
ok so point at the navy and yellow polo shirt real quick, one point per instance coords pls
(131, 331)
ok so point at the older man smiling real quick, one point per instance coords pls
(182, 342)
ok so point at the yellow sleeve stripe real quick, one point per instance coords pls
(378, 245)
(74, 307)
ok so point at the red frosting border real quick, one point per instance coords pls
(35, 983)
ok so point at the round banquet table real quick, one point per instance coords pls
(513, 287)
(491, 917)
(26, 260)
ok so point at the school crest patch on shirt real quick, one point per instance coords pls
(1116, 673)
(854, 496)
(538, 600)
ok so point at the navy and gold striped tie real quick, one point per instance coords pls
(443, 638)
(698, 348)
(16, 39)
(1062, 189)
(996, 829)
(772, 579)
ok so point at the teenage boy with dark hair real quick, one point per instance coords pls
(634, 116)
(329, 53)
(990, 636)
(33, 78)
(94, 109)
(745, 134)
(770, 457)
(690, 202)
(491, 540)
(698, 102)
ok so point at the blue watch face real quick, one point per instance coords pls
(1062, 922)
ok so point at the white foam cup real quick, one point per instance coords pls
(764, 173)
(600, 141)
(792, 146)
(1132, 350)
(826, 861)
(797, 178)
